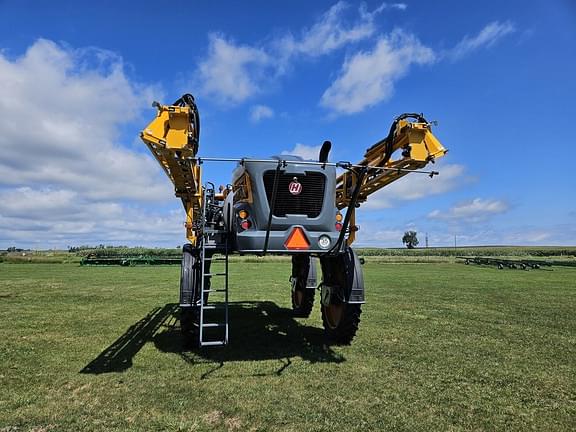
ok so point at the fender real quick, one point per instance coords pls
(304, 265)
(343, 280)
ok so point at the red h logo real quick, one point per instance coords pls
(295, 187)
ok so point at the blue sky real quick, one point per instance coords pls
(272, 77)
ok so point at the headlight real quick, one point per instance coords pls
(324, 242)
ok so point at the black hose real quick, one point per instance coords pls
(352, 205)
(188, 100)
(389, 140)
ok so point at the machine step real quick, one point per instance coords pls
(213, 307)
(212, 343)
(213, 325)
(213, 231)
(215, 247)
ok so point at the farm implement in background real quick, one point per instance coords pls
(501, 263)
(128, 261)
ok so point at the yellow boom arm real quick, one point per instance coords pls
(172, 137)
(417, 146)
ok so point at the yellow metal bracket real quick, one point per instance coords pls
(172, 137)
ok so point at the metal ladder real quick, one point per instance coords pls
(205, 290)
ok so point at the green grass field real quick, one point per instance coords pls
(440, 347)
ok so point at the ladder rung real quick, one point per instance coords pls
(213, 325)
(213, 343)
(214, 274)
(212, 307)
(215, 290)
(215, 259)
(185, 305)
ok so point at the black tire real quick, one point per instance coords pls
(302, 297)
(189, 321)
(190, 283)
(191, 273)
(302, 301)
(187, 272)
(341, 322)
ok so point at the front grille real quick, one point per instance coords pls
(308, 203)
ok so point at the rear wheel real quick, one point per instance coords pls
(342, 295)
(341, 321)
(302, 299)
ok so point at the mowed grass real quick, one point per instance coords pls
(440, 347)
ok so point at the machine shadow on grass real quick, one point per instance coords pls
(258, 331)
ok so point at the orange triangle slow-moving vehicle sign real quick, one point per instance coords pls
(297, 240)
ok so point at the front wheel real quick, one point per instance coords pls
(189, 324)
(303, 276)
(302, 300)
(341, 321)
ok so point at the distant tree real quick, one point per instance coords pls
(410, 239)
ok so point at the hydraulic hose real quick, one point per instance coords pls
(188, 100)
(352, 205)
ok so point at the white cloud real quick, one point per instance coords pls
(372, 234)
(384, 231)
(331, 32)
(62, 110)
(399, 6)
(472, 234)
(537, 236)
(368, 78)
(416, 186)
(232, 73)
(476, 210)
(260, 112)
(304, 151)
(43, 218)
(387, 232)
(25, 202)
(65, 178)
(487, 37)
